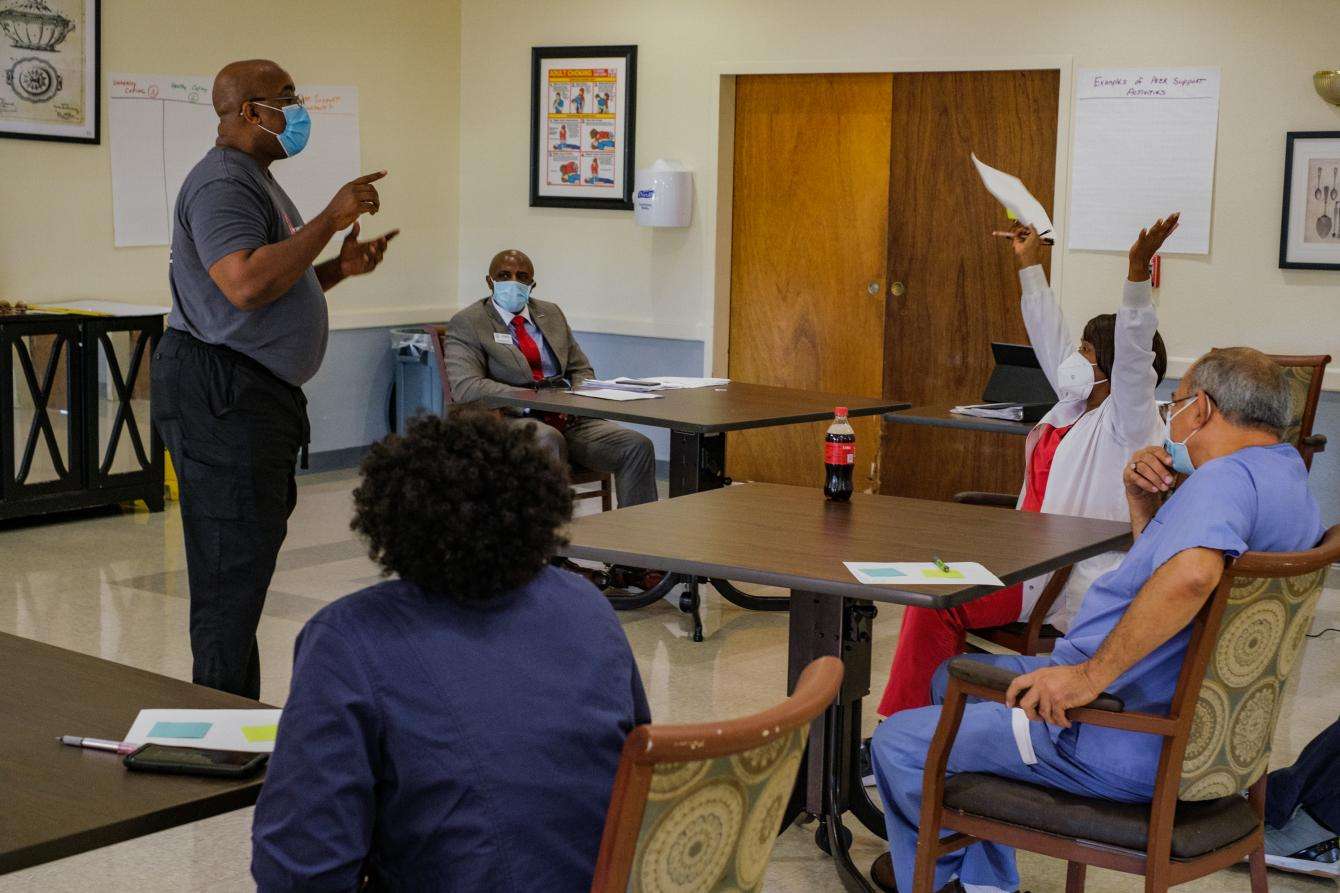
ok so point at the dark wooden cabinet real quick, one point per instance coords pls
(74, 413)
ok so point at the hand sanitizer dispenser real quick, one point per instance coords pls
(663, 195)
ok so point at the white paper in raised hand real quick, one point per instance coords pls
(1011, 192)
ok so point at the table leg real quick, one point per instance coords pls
(697, 463)
(829, 781)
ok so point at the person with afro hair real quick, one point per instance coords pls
(458, 726)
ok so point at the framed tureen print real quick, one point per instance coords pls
(49, 58)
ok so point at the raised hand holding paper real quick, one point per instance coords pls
(1019, 203)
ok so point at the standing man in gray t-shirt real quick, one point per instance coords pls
(248, 328)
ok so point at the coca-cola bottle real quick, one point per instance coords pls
(839, 457)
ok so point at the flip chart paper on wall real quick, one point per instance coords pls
(1144, 147)
(250, 730)
(161, 125)
(1019, 203)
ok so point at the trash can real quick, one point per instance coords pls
(418, 386)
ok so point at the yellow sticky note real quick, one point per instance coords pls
(935, 573)
(1010, 214)
(259, 734)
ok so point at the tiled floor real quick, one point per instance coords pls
(115, 586)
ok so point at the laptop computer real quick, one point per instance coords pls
(1018, 379)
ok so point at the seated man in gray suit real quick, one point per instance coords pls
(510, 340)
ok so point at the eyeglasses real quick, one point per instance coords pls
(1166, 408)
(282, 101)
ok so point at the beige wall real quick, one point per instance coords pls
(617, 277)
(56, 199)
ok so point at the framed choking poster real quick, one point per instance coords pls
(582, 108)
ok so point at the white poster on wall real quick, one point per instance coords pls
(161, 125)
(1144, 147)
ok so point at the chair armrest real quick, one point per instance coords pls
(1316, 441)
(977, 497)
(974, 672)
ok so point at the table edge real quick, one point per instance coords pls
(493, 401)
(233, 798)
(968, 423)
(877, 593)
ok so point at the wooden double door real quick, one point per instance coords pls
(862, 260)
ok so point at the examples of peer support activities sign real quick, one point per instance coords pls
(583, 133)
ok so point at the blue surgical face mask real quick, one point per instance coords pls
(1181, 456)
(297, 128)
(511, 295)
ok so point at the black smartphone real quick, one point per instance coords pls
(195, 761)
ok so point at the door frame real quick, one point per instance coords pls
(718, 188)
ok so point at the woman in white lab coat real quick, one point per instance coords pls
(1073, 458)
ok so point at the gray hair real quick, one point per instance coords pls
(1247, 386)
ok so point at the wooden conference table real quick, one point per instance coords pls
(941, 417)
(58, 801)
(793, 538)
(699, 419)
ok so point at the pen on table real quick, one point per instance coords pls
(121, 747)
(944, 568)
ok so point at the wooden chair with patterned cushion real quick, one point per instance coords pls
(697, 808)
(1244, 643)
(577, 476)
(1305, 374)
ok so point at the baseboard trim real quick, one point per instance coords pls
(335, 460)
(339, 460)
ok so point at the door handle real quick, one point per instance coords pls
(897, 289)
(873, 288)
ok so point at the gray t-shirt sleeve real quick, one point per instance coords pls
(226, 216)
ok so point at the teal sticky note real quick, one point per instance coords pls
(887, 573)
(180, 729)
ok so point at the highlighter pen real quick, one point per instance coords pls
(121, 747)
(944, 568)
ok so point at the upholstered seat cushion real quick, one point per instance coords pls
(1201, 826)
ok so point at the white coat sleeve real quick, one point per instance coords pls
(1133, 375)
(1048, 331)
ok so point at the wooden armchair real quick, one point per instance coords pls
(1216, 744)
(1305, 374)
(698, 807)
(576, 475)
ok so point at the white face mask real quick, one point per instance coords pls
(1074, 378)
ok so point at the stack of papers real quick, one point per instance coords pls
(658, 383)
(922, 573)
(249, 730)
(1013, 412)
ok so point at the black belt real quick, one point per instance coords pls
(234, 356)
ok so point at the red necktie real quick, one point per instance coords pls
(529, 348)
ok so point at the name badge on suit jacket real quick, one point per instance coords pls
(502, 338)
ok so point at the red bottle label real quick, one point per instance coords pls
(839, 454)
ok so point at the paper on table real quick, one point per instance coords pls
(228, 729)
(1144, 147)
(922, 573)
(1013, 412)
(1011, 192)
(612, 394)
(679, 382)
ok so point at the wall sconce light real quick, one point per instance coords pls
(1327, 84)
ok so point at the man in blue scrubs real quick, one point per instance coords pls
(1245, 491)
